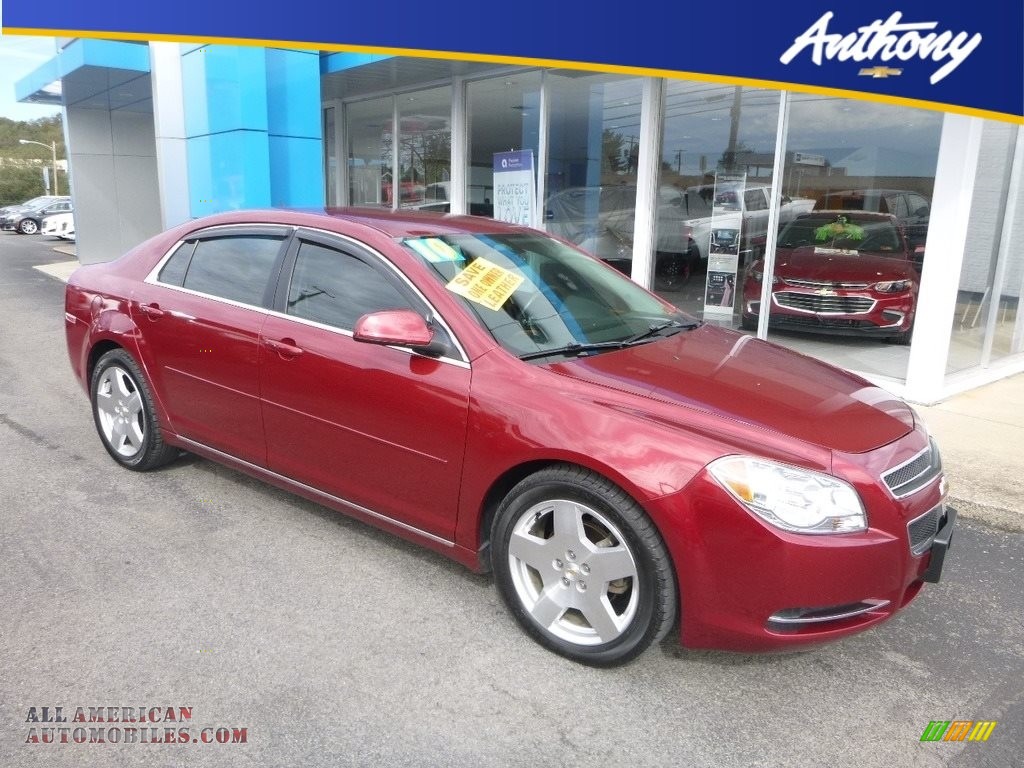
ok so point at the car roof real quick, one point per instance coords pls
(396, 224)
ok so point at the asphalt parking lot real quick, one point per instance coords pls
(333, 644)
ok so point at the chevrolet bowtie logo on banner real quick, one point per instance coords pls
(880, 72)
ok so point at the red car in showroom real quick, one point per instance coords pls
(506, 400)
(842, 272)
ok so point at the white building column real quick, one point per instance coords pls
(955, 170)
(169, 125)
(645, 222)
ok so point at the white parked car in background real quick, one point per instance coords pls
(60, 225)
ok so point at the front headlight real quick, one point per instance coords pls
(892, 286)
(791, 498)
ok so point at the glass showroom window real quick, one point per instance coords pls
(369, 138)
(856, 194)
(718, 148)
(988, 325)
(593, 153)
(425, 148)
(504, 114)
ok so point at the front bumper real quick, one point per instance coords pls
(747, 586)
(845, 312)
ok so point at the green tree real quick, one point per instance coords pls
(21, 164)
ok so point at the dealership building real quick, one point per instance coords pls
(161, 132)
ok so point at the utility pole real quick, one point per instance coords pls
(53, 148)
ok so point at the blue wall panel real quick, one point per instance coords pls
(226, 89)
(293, 93)
(296, 172)
(228, 171)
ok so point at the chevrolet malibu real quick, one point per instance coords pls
(504, 399)
(839, 272)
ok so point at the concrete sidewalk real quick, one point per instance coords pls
(981, 436)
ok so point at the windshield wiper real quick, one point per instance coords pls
(572, 349)
(602, 346)
(654, 330)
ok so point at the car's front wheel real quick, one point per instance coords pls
(125, 417)
(28, 227)
(582, 567)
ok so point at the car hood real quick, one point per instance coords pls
(739, 377)
(834, 265)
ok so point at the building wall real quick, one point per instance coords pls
(117, 202)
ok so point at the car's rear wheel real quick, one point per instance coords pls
(28, 227)
(581, 567)
(122, 408)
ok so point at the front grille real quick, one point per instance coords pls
(825, 284)
(922, 530)
(915, 474)
(813, 302)
(821, 322)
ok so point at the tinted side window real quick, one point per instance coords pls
(336, 289)
(237, 268)
(173, 271)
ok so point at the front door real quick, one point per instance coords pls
(378, 426)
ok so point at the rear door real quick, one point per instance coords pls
(200, 313)
(378, 426)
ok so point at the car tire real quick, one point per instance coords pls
(671, 272)
(123, 411)
(581, 567)
(28, 227)
(748, 323)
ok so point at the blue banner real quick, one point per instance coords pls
(964, 56)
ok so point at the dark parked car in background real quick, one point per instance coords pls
(509, 401)
(29, 204)
(28, 221)
(839, 272)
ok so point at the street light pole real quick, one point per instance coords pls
(53, 148)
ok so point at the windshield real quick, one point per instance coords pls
(844, 233)
(534, 293)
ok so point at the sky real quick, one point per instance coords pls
(19, 55)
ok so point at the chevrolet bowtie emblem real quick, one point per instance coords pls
(880, 71)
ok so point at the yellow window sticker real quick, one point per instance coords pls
(485, 283)
(434, 250)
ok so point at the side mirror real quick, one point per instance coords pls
(401, 328)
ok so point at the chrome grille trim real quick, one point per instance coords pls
(823, 305)
(825, 284)
(922, 529)
(914, 473)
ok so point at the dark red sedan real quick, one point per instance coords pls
(504, 399)
(844, 272)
